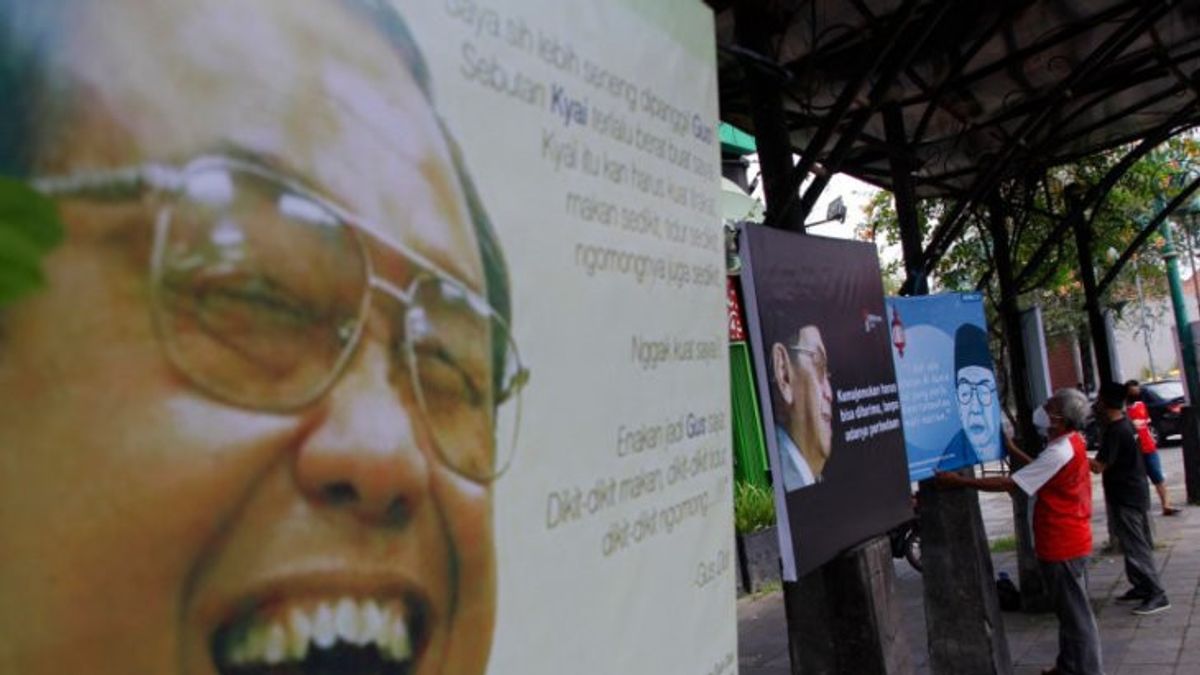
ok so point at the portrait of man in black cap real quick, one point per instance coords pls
(975, 393)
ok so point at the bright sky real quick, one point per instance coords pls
(854, 193)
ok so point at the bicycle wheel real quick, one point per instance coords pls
(912, 549)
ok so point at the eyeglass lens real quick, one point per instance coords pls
(819, 360)
(982, 390)
(462, 375)
(260, 296)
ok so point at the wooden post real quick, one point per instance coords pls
(962, 611)
(844, 616)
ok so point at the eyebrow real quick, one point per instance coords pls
(271, 161)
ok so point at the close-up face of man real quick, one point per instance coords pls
(976, 394)
(807, 394)
(247, 426)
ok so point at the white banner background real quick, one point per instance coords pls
(615, 254)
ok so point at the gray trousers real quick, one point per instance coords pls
(1132, 527)
(1078, 637)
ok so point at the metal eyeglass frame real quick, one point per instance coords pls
(126, 183)
(822, 365)
(976, 392)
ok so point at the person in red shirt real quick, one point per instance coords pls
(1059, 484)
(1137, 413)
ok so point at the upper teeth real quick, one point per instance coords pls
(287, 633)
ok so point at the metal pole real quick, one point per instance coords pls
(1191, 439)
(843, 616)
(773, 141)
(1035, 592)
(1190, 221)
(1137, 280)
(1180, 306)
(1087, 274)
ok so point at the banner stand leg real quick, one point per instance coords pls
(844, 616)
(962, 611)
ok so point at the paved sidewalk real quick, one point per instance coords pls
(1164, 644)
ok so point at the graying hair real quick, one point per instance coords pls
(1075, 408)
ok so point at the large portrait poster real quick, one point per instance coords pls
(947, 382)
(820, 340)
(351, 336)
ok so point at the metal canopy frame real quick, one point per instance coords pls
(950, 99)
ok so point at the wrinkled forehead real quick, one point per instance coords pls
(312, 86)
(976, 375)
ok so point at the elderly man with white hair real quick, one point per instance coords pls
(1059, 484)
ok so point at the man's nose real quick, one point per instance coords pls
(364, 456)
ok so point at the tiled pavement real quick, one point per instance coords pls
(1164, 644)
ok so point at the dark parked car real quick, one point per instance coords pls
(1164, 400)
(1091, 434)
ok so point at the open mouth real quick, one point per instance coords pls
(322, 636)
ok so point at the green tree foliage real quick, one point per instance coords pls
(1037, 203)
(29, 229)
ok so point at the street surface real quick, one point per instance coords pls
(1164, 644)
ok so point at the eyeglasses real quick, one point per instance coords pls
(984, 391)
(261, 291)
(819, 359)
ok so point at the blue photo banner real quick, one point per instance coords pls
(948, 394)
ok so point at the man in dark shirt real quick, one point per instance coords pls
(1128, 500)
